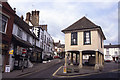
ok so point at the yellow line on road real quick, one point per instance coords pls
(76, 75)
(115, 70)
(84, 74)
(54, 74)
(57, 71)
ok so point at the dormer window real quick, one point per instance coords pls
(74, 38)
(87, 38)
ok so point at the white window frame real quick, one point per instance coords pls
(5, 24)
(28, 37)
(21, 33)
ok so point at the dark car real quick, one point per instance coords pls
(55, 57)
(117, 61)
(61, 57)
(107, 60)
(46, 58)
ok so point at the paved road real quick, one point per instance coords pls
(47, 73)
(103, 75)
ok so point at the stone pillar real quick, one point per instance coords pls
(96, 60)
(99, 59)
(103, 59)
(71, 59)
(80, 63)
(76, 57)
(66, 58)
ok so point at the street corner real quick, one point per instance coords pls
(59, 73)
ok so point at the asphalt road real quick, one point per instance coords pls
(47, 73)
(115, 74)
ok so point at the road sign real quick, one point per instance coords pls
(24, 51)
(11, 52)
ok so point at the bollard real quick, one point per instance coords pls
(64, 69)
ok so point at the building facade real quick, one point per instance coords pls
(6, 27)
(45, 39)
(111, 52)
(84, 38)
(22, 38)
(59, 49)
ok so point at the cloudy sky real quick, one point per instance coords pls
(59, 14)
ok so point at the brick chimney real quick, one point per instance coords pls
(35, 18)
(14, 10)
(22, 17)
(28, 15)
(44, 27)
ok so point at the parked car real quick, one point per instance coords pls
(61, 57)
(46, 58)
(56, 57)
(117, 61)
(107, 60)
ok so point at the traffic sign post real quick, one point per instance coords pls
(23, 54)
(24, 51)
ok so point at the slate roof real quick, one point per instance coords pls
(82, 24)
(57, 44)
(61, 46)
(112, 46)
(22, 24)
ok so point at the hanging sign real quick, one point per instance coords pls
(24, 51)
(11, 52)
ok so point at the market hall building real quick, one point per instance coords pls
(84, 38)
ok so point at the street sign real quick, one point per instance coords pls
(24, 51)
(11, 52)
(7, 68)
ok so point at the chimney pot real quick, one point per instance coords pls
(14, 10)
(22, 17)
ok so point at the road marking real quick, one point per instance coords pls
(114, 70)
(76, 75)
(54, 74)
(57, 71)
(79, 74)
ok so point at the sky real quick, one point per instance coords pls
(59, 14)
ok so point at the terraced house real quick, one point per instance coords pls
(84, 38)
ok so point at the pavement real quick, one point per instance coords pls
(86, 70)
(27, 71)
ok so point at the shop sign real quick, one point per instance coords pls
(11, 52)
(7, 68)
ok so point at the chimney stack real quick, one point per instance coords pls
(35, 18)
(44, 27)
(28, 15)
(22, 17)
(109, 43)
(59, 41)
(14, 10)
